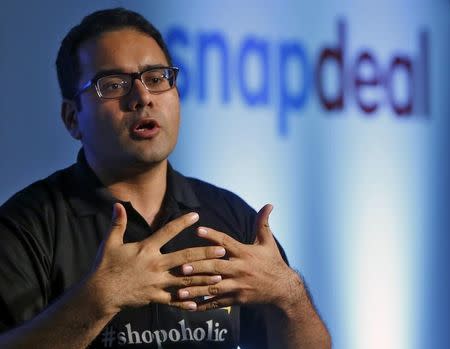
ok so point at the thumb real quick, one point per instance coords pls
(263, 232)
(118, 225)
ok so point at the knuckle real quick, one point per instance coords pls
(214, 304)
(145, 249)
(241, 299)
(117, 225)
(171, 226)
(210, 252)
(228, 242)
(225, 240)
(213, 289)
(241, 268)
(187, 281)
(176, 225)
(179, 223)
(216, 268)
(152, 267)
(175, 304)
(188, 255)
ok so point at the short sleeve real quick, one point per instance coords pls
(24, 269)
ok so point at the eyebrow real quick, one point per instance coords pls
(106, 72)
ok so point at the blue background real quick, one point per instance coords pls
(361, 200)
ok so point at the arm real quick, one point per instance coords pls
(71, 322)
(125, 275)
(293, 322)
(257, 275)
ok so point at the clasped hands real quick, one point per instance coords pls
(136, 274)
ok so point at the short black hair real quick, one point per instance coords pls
(93, 25)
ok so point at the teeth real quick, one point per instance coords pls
(146, 126)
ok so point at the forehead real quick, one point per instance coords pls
(125, 49)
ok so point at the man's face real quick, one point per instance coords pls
(135, 130)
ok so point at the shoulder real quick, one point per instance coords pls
(228, 209)
(36, 203)
(208, 193)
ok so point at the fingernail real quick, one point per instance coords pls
(192, 306)
(202, 232)
(220, 252)
(184, 294)
(194, 217)
(216, 278)
(187, 269)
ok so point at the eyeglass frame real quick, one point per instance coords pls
(134, 76)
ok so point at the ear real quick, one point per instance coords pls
(69, 115)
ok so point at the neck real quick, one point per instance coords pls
(144, 188)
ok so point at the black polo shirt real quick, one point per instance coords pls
(49, 236)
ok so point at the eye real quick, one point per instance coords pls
(154, 80)
(157, 80)
(113, 86)
(113, 83)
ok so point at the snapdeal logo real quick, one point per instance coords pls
(399, 84)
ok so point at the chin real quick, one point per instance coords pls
(151, 158)
(150, 154)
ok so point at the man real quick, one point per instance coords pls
(182, 264)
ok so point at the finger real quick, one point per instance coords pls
(197, 280)
(262, 228)
(165, 297)
(168, 299)
(224, 302)
(118, 225)
(175, 259)
(231, 245)
(212, 267)
(221, 288)
(171, 229)
(189, 305)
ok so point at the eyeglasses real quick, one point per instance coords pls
(155, 80)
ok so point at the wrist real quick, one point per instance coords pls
(292, 300)
(99, 298)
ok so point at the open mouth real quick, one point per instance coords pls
(145, 125)
(145, 128)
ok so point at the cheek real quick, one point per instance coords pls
(174, 120)
(174, 111)
(97, 122)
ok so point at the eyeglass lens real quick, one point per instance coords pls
(118, 85)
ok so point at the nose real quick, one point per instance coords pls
(139, 97)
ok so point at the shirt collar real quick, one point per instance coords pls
(87, 195)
